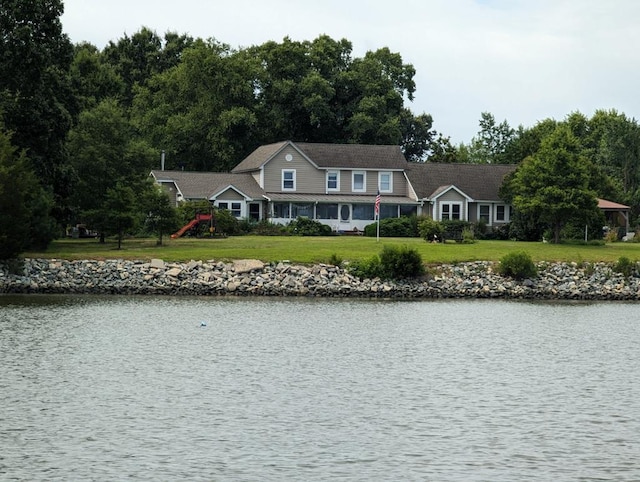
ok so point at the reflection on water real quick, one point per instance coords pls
(110, 388)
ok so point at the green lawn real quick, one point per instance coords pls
(309, 250)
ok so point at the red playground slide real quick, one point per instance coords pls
(200, 218)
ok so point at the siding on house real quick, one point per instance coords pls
(423, 188)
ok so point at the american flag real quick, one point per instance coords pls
(377, 206)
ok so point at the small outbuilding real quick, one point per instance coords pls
(617, 215)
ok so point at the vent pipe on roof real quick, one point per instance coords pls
(162, 161)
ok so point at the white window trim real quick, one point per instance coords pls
(294, 180)
(451, 203)
(337, 188)
(364, 181)
(507, 214)
(490, 213)
(229, 203)
(380, 174)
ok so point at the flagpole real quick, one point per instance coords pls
(377, 211)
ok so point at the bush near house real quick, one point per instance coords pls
(402, 227)
(430, 230)
(308, 227)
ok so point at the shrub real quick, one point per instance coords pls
(335, 260)
(517, 265)
(430, 230)
(267, 228)
(308, 227)
(226, 223)
(468, 236)
(403, 227)
(368, 268)
(454, 229)
(401, 263)
(393, 263)
(611, 236)
(499, 232)
(625, 267)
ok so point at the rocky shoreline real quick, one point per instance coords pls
(556, 281)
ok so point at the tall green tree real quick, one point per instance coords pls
(92, 79)
(526, 141)
(138, 58)
(552, 187)
(119, 211)
(104, 149)
(200, 112)
(24, 205)
(161, 215)
(613, 143)
(36, 100)
(491, 143)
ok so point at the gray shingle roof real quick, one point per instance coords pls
(258, 157)
(202, 185)
(347, 156)
(481, 182)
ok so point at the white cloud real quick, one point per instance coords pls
(521, 60)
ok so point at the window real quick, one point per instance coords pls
(333, 181)
(359, 181)
(236, 209)
(450, 211)
(327, 211)
(363, 211)
(502, 213)
(388, 211)
(408, 210)
(302, 210)
(288, 180)
(281, 210)
(345, 212)
(484, 213)
(385, 182)
(254, 211)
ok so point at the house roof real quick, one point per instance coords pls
(203, 185)
(260, 156)
(481, 182)
(338, 156)
(610, 205)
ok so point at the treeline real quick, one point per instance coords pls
(88, 124)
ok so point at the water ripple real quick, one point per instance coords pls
(112, 388)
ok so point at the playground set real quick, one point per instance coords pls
(192, 228)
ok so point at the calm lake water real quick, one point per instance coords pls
(113, 388)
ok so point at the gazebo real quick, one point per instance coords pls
(617, 215)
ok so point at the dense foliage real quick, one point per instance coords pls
(24, 205)
(93, 122)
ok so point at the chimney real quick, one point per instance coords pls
(162, 161)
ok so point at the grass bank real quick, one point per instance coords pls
(308, 250)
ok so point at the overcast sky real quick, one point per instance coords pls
(521, 60)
